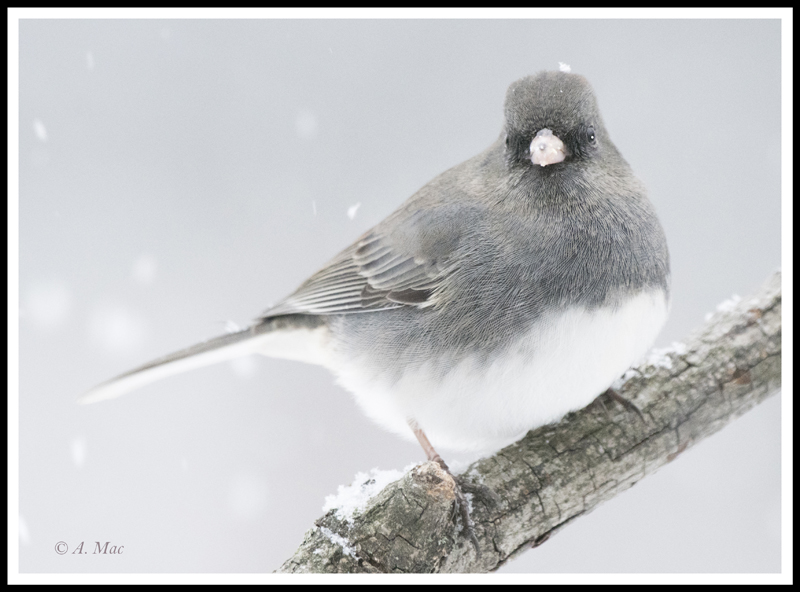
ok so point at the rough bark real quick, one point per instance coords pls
(561, 471)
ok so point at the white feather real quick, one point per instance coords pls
(560, 365)
(305, 345)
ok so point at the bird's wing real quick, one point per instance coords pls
(373, 274)
(407, 260)
(378, 272)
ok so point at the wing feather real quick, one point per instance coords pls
(370, 275)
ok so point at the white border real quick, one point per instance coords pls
(14, 16)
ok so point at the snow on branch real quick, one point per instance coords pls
(559, 472)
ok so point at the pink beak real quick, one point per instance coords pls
(546, 148)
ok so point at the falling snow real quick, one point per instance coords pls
(47, 304)
(77, 450)
(351, 211)
(247, 496)
(117, 330)
(40, 130)
(144, 269)
(24, 533)
(306, 125)
(564, 67)
(244, 367)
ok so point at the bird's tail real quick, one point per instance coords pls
(282, 337)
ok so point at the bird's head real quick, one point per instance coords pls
(552, 118)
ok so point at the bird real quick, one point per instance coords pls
(505, 293)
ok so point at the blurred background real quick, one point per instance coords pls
(177, 177)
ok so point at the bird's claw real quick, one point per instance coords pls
(481, 492)
(615, 396)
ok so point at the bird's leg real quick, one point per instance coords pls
(462, 505)
(432, 455)
(481, 491)
(462, 485)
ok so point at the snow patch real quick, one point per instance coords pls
(662, 358)
(337, 540)
(629, 373)
(353, 498)
(729, 304)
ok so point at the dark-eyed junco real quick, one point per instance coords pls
(508, 291)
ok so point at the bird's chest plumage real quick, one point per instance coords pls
(556, 257)
(560, 362)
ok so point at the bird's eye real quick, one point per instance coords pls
(590, 134)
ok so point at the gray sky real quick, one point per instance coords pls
(176, 176)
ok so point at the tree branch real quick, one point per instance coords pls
(561, 471)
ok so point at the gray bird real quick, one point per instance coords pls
(511, 289)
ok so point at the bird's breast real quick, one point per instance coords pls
(559, 363)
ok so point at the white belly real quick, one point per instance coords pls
(561, 364)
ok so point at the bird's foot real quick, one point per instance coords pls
(615, 396)
(462, 488)
(462, 504)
